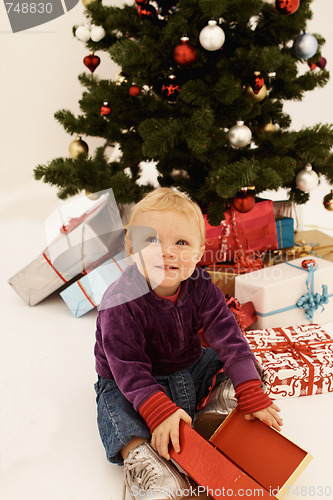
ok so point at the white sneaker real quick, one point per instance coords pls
(148, 476)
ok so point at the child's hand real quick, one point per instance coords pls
(268, 415)
(169, 429)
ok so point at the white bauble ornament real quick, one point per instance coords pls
(306, 179)
(97, 33)
(82, 33)
(239, 135)
(305, 46)
(212, 36)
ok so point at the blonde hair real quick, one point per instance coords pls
(169, 199)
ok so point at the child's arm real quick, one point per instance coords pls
(253, 403)
(169, 430)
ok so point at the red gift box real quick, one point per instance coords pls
(243, 458)
(240, 233)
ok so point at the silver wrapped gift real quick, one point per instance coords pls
(80, 235)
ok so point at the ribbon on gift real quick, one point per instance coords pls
(244, 313)
(54, 269)
(310, 301)
(74, 222)
(297, 351)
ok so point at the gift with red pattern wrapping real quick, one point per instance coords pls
(297, 360)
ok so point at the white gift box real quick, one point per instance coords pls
(282, 293)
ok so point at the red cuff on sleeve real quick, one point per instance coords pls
(156, 409)
(250, 397)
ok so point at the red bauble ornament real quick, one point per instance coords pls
(184, 53)
(321, 63)
(243, 201)
(287, 7)
(105, 109)
(140, 2)
(134, 90)
(91, 62)
(146, 11)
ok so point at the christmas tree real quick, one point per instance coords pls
(201, 93)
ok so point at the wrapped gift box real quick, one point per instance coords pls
(320, 243)
(254, 230)
(243, 458)
(76, 245)
(281, 293)
(297, 361)
(285, 232)
(87, 292)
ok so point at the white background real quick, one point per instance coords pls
(49, 444)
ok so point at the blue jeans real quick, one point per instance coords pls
(117, 420)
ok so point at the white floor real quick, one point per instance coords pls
(50, 447)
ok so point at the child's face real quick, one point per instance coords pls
(166, 249)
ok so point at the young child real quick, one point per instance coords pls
(152, 370)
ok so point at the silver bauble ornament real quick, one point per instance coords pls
(77, 146)
(307, 179)
(212, 37)
(97, 33)
(305, 46)
(239, 135)
(82, 33)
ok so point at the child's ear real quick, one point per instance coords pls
(200, 253)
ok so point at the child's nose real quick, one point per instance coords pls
(167, 250)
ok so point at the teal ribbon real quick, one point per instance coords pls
(310, 301)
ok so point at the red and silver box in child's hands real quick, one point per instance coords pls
(297, 360)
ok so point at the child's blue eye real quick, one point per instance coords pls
(181, 242)
(152, 239)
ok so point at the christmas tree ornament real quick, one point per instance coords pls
(91, 62)
(105, 109)
(77, 147)
(307, 179)
(239, 135)
(97, 33)
(287, 7)
(87, 2)
(170, 89)
(328, 201)
(256, 89)
(140, 2)
(268, 128)
(184, 53)
(82, 33)
(322, 63)
(212, 37)
(244, 200)
(305, 46)
(134, 90)
(146, 11)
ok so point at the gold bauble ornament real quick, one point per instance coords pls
(77, 146)
(268, 128)
(256, 97)
(328, 201)
(87, 2)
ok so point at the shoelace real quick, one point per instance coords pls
(140, 469)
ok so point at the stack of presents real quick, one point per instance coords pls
(277, 281)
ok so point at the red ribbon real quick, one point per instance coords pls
(298, 351)
(54, 269)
